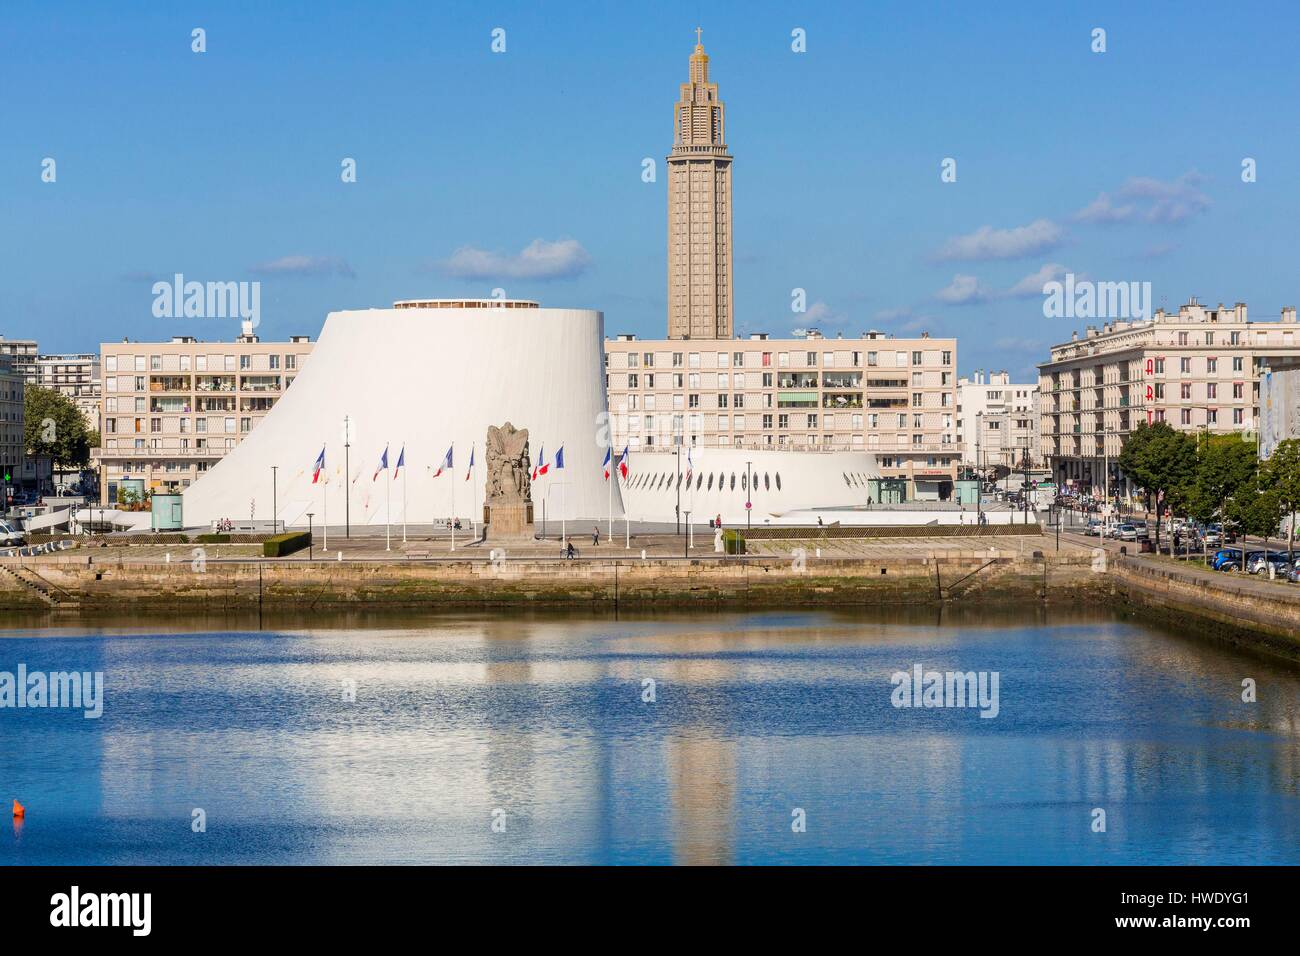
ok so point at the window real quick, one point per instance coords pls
(1211, 366)
(1185, 365)
(916, 358)
(722, 400)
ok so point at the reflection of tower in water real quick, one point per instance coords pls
(702, 774)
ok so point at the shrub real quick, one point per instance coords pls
(288, 543)
(213, 539)
(733, 542)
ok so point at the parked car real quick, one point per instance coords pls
(1226, 559)
(1126, 532)
(1093, 528)
(1258, 563)
(10, 535)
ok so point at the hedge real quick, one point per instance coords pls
(288, 543)
(733, 542)
(213, 539)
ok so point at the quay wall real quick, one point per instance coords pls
(110, 585)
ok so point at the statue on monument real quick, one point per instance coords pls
(509, 505)
(508, 465)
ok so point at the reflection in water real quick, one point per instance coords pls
(540, 719)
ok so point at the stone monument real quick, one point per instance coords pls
(508, 511)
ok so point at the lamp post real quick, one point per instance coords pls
(749, 501)
(347, 481)
(979, 476)
(309, 541)
(686, 545)
(274, 509)
(677, 442)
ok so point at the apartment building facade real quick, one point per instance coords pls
(895, 398)
(75, 376)
(12, 441)
(172, 410)
(1197, 369)
(997, 420)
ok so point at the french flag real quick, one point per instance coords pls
(401, 460)
(689, 469)
(446, 463)
(470, 470)
(540, 467)
(383, 464)
(604, 464)
(319, 466)
(559, 459)
(622, 462)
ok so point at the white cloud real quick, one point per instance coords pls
(305, 266)
(1150, 200)
(964, 290)
(540, 259)
(989, 243)
(1032, 285)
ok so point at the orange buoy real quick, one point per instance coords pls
(19, 810)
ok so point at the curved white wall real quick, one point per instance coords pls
(426, 378)
(784, 482)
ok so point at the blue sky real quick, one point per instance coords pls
(1123, 165)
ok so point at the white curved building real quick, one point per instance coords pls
(424, 375)
(787, 485)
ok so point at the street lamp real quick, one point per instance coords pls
(686, 544)
(309, 536)
(749, 500)
(347, 481)
(274, 509)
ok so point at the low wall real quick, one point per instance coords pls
(769, 582)
(1242, 610)
(812, 532)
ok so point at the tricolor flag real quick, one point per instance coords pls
(470, 470)
(622, 463)
(446, 463)
(383, 463)
(559, 459)
(540, 468)
(605, 464)
(689, 469)
(319, 466)
(401, 460)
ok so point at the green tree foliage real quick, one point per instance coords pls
(54, 428)
(1225, 465)
(1281, 475)
(1161, 461)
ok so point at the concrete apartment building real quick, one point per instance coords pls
(896, 398)
(172, 410)
(12, 442)
(997, 420)
(75, 376)
(1197, 369)
(21, 354)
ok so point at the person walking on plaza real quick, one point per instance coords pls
(595, 535)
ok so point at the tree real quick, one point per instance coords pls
(1257, 510)
(55, 429)
(1281, 475)
(1161, 461)
(1225, 465)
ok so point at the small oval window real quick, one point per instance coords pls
(778, 481)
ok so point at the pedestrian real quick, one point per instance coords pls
(595, 535)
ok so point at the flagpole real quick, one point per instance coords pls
(610, 489)
(453, 496)
(473, 491)
(404, 500)
(388, 505)
(324, 506)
